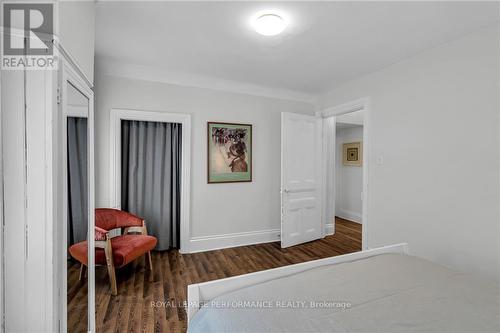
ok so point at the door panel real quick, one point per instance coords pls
(301, 148)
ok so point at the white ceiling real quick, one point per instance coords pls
(326, 43)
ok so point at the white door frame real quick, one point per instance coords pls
(116, 117)
(357, 105)
(70, 75)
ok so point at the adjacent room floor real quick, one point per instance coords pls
(153, 301)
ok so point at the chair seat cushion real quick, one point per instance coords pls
(126, 248)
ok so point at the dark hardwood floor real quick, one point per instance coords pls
(134, 308)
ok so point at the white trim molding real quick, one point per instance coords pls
(329, 229)
(116, 116)
(328, 190)
(356, 105)
(216, 242)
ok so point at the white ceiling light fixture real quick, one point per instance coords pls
(269, 22)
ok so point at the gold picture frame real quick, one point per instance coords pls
(352, 154)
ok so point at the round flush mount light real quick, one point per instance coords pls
(269, 23)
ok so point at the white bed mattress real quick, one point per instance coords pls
(384, 293)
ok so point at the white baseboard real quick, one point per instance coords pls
(350, 215)
(216, 242)
(329, 229)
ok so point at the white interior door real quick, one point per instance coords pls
(301, 148)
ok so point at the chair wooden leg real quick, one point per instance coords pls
(111, 267)
(82, 268)
(150, 261)
(112, 280)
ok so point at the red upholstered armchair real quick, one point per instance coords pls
(116, 251)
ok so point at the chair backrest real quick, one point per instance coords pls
(109, 218)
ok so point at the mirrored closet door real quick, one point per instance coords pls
(78, 231)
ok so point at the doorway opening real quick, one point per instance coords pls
(150, 163)
(349, 173)
(309, 179)
(346, 170)
(151, 177)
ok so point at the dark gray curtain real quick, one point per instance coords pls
(151, 177)
(77, 180)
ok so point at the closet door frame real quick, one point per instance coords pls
(70, 75)
(116, 116)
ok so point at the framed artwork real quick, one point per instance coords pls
(353, 154)
(229, 152)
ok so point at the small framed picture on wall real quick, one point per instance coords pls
(229, 150)
(353, 154)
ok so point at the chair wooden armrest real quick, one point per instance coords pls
(100, 234)
(136, 229)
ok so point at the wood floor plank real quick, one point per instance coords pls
(132, 310)
(138, 300)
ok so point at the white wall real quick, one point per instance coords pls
(216, 209)
(348, 179)
(76, 31)
(435, 120)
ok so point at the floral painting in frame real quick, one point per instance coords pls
(229, 152)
